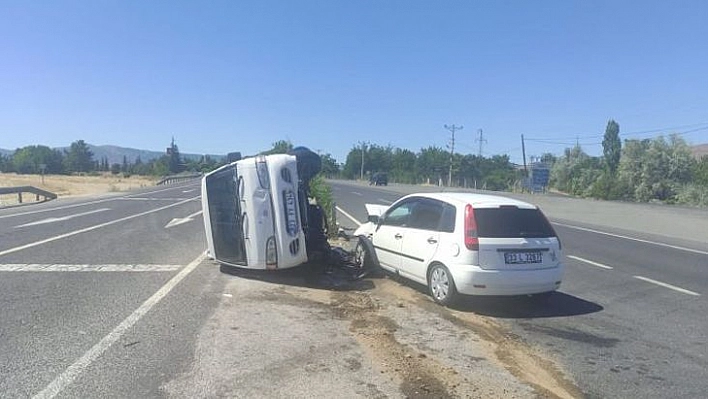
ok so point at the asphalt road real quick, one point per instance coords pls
(630, 318)
(111, 296)
(72, 271)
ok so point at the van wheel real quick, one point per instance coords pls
(441, 286)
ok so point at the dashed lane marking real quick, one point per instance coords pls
(62, 218)
(34, 267)
(590, 262)
(669, 286)
(87, 229)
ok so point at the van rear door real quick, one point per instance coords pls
(223, 217)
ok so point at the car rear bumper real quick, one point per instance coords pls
(472, 280)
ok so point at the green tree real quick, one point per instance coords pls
(612, 146)
(330, 168)
(79, 158)
(175, 164)
(279, 147)
(5, 164)
(656, 168)
(352, 166)
(575, 172)
(403, 166)
(701, 171)
(432, 164)
(29, 160)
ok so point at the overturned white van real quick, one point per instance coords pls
(254, 213)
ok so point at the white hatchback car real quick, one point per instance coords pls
(464, 243)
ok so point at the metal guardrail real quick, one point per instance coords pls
(28, 189)
(178, 178)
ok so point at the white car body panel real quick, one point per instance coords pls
(475, 272)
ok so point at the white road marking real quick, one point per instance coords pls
(58, 208)
(83, 204)
(387, 202)
(150, 199)
(33, 267)
(661, 244)
(356, 193)
(189, 191)
(352, 218)
(63, 218)
(178, 221)
(590, 262)
(87, 229)
(669, 286)
(72, 372)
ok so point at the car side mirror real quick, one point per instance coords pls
(375, 219)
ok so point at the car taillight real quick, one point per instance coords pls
(471, 239)
(550, 226)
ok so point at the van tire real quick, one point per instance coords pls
(441, 286)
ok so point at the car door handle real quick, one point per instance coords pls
(431, 240)
(398, 236)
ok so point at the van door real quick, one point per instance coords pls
(223, 217)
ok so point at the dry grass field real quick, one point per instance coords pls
(69, 186)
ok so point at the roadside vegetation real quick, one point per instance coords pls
(661, 170)
(78, 159)
(431, 166)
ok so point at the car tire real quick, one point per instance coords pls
(441, 286)
(362, 255)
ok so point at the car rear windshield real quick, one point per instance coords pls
(512, 222)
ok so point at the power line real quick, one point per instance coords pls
(481, 140)
(452, 129)
(701, 126)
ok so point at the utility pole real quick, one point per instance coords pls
(481, 140)
(452, 129)
(523, 152)
(363, 149)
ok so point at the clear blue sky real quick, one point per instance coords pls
(225, 76)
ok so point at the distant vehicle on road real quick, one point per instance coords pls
(379, 179)
(464, 243)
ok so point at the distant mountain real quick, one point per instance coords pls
(115, 154)
(699, 150)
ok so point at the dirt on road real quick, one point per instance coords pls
(278, 334)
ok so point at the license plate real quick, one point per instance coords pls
(516, 258)
(290, 212)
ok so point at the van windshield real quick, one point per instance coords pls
(512, 222)
(225, 216)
